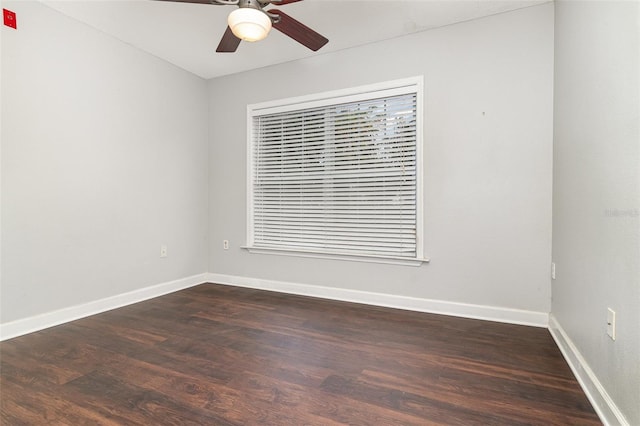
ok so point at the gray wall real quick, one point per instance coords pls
(488, 161)
(104, 158)
(596, 194)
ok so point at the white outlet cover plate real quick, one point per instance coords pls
(611, 323)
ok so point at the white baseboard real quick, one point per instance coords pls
(490, 313)
(39, 322)
(602, 403)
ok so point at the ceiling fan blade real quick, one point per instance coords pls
(281, 2)
(298, 31)
(189, 1)
(229, 42)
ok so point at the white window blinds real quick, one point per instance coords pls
(337, 179)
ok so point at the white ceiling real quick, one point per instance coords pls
(187, 34)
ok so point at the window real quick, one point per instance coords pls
(338, 174)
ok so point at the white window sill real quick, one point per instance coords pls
(339, 256)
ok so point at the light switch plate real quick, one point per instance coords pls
(611, 323)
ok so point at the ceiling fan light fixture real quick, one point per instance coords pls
(249, 24)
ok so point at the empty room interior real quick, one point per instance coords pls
(384, 212)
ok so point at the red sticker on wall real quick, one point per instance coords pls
(9, 18)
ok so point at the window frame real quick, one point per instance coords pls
(411, 85)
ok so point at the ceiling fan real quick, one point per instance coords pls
(250, 22)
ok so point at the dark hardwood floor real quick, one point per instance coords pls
(219, 355)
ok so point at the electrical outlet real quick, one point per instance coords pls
(611, 323)
(163, 251)
(225, 244)
(553, 270)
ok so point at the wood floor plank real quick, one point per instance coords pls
(223, 355)
(294, 404)
(38, 404)
(108, 393)
(24, 369)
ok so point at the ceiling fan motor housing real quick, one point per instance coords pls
(254, 4)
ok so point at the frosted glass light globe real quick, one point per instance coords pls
(249, 24)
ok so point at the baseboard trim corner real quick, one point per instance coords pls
(24, 326)
(489, 313)
(602, 403)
